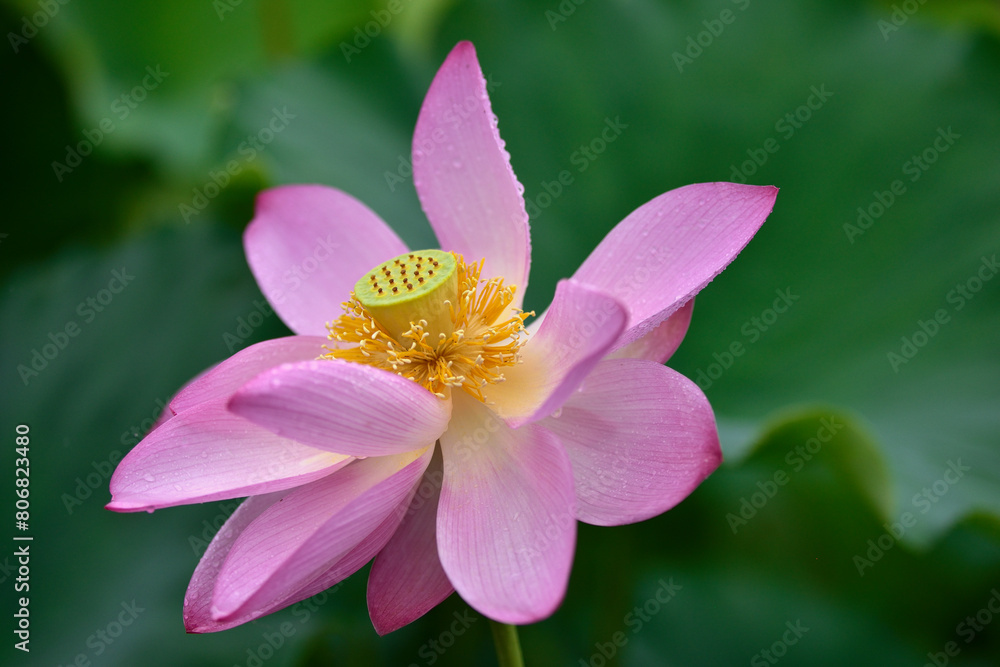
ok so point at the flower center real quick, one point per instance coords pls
(430, 317)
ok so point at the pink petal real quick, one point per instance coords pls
(659, 344)
(218, 382)
(343, 407)
(356, 558)
(641, 438)
(207, 453)
(308, 245)
(406, 579)
(463, 176)
(506, 524)
(222, 380)
(579, 329)
(669, 248)
(296, 541)
(198, 600)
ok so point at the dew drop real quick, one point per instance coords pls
(149, 478)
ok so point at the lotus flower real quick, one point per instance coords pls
(413, 418)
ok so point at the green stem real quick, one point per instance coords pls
(507, 643)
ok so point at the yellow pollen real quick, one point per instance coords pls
(462, 346)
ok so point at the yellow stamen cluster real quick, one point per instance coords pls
(471, 353)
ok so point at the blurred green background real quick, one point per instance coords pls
(879, 121)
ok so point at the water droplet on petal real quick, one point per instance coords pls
(149, 478)
(557, 414)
